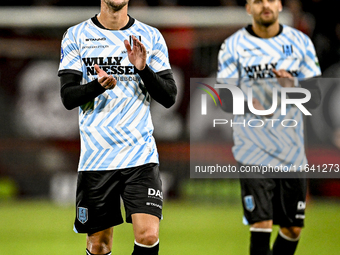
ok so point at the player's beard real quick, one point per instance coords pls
(116, 6)
(266, 22)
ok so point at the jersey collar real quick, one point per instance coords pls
(250, 31)
(98, 24)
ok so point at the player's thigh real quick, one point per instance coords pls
(292, 202)
(142, 192)
(98, 201)
(257, 195)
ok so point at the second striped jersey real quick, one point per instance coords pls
(250, 60)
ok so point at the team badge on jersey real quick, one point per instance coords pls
(249, 203)
(287, 50)
(137, 36)
(82, 214)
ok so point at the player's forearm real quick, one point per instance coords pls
(312, 85)
(73, 94)
(162, 88)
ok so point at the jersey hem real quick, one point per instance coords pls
(118, 168)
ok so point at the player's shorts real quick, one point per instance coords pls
(99, 196)
(280, 200)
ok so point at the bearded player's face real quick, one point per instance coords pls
(264, 12)
(116, 5)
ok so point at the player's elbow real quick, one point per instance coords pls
(170, 102)
(171, 98)
(67, 102)
(66, 99)
(68, 106)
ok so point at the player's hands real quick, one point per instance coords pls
(284, 78)
(258, 106)
(105, 80)
(137, 55)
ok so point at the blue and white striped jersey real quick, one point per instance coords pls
(250, 60)
(116, 129)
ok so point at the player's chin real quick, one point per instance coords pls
(267, 22)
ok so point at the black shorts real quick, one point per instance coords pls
(99, 196)
(280, 200)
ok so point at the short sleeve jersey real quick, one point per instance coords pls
(116, 130)
(250, 60)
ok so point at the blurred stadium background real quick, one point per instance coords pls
(39, 141)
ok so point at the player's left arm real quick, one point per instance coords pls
(285, 79)
(312, 85)
(310, 74)
(161, 86)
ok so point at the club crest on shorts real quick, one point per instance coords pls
(82, 214)
(249, 203)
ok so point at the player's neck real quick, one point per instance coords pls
(113, 20)
(264, 31)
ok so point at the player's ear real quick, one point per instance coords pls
(248, 9)
(280, 6)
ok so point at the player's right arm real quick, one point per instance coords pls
(227, 68)
(228, 72)
(73, 93)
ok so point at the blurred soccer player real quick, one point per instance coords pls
(268, 50)
(111, 66)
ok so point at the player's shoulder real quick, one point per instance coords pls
(145, 27)
(238, 35)
(288, 29)
(234, 40)
(295, 33)
(78, 27)
(148, 32)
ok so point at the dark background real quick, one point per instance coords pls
(39, 140)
